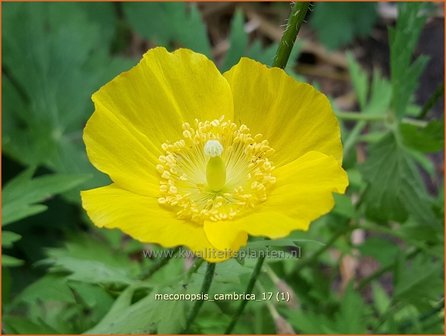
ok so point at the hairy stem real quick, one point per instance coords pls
(286, 44)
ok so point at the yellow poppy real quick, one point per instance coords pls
(202, 159)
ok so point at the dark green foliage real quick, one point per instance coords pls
(337, 24)
(403, 41)
(48, 81)
(395, 187)
(428, 139)
(168, 23)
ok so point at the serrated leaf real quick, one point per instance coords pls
(394, 188)
(337, 24)
(428, 139)
(350, 318)
(380, 95)
(48, 288)
(91, 261)
(360, 80)
(47, 88)
(403, 40)
(22, 193)
(374, 98)
(165, 23)
(419, 282)
(94, 297)
(149, 315)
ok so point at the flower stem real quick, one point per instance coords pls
(198, 262)
(204, 290)
(249, 289)
(286, 44)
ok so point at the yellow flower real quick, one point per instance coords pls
(202, 159)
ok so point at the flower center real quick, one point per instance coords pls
(215, 172)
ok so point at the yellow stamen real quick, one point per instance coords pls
(202, 178)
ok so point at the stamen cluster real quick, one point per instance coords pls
(182, 171)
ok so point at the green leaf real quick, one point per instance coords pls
(228, 272)
(380, 95)
(238, 41)
(48, 288)
(395, 188)
(165, 23)
(427, 139)
(343, 206)
(374, 98)
(93, 296)
(419, 282)
(8, 238)
(382, 250)
(403, 40)
(417, 233)
(148, 315)
(360, 80)
(337, 24)
(22, 325)
(103, 14)
(91, 261)
(119, 306)
(380, 298)
(22, 193)
(9, 261)
(48, 88)
(350, 318)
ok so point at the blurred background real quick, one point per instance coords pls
(374, 265)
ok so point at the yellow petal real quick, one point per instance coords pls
(305, 187)
(225, 236)
(293, 116)
(143, 219)
(144, 107)
(303, 192)
(269, 223)
(117, 149)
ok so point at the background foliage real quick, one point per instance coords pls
(373, 265)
